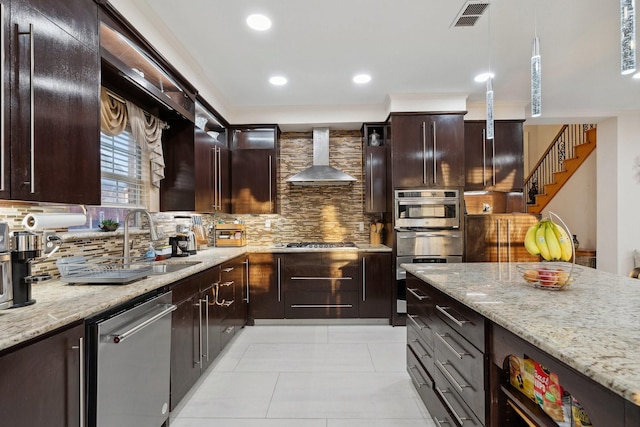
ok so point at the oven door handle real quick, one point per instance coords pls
(118, 338)
(451, 236)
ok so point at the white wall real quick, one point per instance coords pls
(619, 193)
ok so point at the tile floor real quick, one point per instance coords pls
(307, 376)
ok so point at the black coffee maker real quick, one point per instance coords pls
(24, 249)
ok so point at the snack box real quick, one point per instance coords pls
(522, 374)
(550, 396)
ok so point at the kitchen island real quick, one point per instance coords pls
(588, 333)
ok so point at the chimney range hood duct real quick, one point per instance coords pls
(321, 173)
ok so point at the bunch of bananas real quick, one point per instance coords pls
(548, 240)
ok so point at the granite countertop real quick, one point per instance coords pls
(59, 304)
(592, 325)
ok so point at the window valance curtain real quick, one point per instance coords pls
(146, 129)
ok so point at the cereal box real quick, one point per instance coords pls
(522, 374)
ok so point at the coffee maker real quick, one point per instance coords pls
(25, 248)
(6, 286)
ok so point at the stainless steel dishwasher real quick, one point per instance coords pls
(130, 363)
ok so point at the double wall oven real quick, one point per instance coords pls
(428, 229)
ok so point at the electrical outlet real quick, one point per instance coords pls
(361, 226)
(267, 224)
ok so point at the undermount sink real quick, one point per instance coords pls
(172, 267)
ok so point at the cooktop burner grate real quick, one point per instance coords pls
(321, 245)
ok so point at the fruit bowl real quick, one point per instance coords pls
(551, 276)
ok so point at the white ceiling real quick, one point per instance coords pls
(408, 46)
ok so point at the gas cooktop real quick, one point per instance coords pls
(321, 245)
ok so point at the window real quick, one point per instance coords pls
(123, 176)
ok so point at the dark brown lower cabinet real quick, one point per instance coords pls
(195, 330)
(265, 286)
(321, 285)
(40, 382)
(232, 297)
(376, 285)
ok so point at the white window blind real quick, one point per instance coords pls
(124, 171)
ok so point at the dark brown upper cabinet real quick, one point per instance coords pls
(427, 150)
(375, 141)
(494, 164)
(52, 79)
(254, 162)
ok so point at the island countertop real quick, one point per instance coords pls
(593, 325)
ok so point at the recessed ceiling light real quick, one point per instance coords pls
(481, 78)
(258, 22)
(636, 76)
(278, 80)
(362, 78)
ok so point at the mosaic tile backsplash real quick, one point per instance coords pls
(331, 213)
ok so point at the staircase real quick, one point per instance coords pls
(569, 149)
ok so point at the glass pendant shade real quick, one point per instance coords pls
(536, 79)
(628, 36)
(489, 109)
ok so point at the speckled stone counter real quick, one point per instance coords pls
(593, 325)
(59, 304)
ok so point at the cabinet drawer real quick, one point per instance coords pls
(461, 366)
(421, 343)
(463, 320)
(419, 376)
(419, 300)
(464, 416)
(320, 305)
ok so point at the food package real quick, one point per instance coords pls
(580, 417)
(549, 395)
(522, 374)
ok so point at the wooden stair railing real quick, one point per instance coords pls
(568, 150)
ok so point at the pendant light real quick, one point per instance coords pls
(627, 36)
(489, 96)
(536, 72)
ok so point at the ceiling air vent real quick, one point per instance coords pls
(470, 13)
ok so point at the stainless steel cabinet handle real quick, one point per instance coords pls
(493, 160)
(419, 344)
(442, 393)
(498, 239)
(371, 181)
(219, 178)
(450, 377)
(270, 181)
(214, 177)
(444, 311)
(418, 382)
(206, 314)
(81, 407)
(229, 283)
(166, 309)
(508, 240)
(228, 269)
(440, 422)
(228, 303)
(415, 294)
(424, 153)
(364, 279)
(321, 305)
(199, 305)
(319, 278)
(442, 337)
(2, 152)
(279, 279)
(423, 235)
(32, 140)
(484, 158)
(412, 317)
(435, 152)
(246, 278)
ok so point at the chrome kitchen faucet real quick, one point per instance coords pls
(152, 226)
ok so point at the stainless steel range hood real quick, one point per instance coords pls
(321, 173)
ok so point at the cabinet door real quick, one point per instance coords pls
(5, 141)
(481, 239)
(477, 163)
(265, 286)
(409, 150)
(375, 179)
(185, 347)
(235, 271)
(377, 283)
(55, 149)
(508, 160)
(447, 141)
(41, 382)
(211, 174)
(253, 181)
